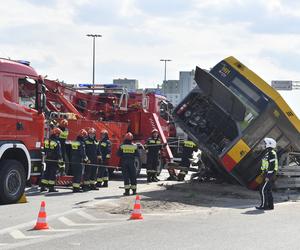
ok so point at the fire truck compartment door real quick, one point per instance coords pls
(220, 94)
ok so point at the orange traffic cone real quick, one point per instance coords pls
(41, 220)
(136, 214)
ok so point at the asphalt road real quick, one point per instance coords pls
(94, 220)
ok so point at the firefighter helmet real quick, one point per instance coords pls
(154, 131)
(92, 131)
(270, 142)
(128, 136)
(64, 123)
(104, 131)
(55, 131)
(83, 133)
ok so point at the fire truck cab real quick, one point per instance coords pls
(21, 127)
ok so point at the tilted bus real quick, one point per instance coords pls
(229, 114)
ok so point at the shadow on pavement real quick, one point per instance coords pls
(254, 212)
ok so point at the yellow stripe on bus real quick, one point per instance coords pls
(266, 88)
(239, 151)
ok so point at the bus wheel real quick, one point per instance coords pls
(137, 165)
(12, 181)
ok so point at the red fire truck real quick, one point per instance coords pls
(22, 126)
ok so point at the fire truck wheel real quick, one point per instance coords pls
(138, 165)
(12, 181)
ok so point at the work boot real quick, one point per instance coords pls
(172, 178)
(155, 178)
(99, 184)
(260, 208)
(85, 188)
(180, 177)
(105, 184)
(77, 190)
(126, 193)
(52, 190)
(149, 179)
(43, 189)
(133, 191)
(93, 187)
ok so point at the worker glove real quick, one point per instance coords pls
(86, 160)
(61, 164)
(99, 157)
(108, 156)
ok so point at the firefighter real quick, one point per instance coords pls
(153, 146)
(90, 171)
(269, 168)
(127, 153)
(78, 156)
(53, 160)
(105, 151)
(187, 153)
(63, 126)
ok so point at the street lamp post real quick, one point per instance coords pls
(94, 46)
(165, 60)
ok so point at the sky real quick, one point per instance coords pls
(136, 34)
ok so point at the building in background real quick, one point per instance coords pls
(176, 90)
(285, 85)
(130, 84)
(186, 82)
(170, 89)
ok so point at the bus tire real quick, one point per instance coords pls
(12, 181)
(137, 165)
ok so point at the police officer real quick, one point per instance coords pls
(105, 151)
(78, 156)
(62, 138)
(269, 169)
(127, 152)
(90, 171)
(153, 146)
(53, 159)
(187, 153)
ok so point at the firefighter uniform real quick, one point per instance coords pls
(105, 153)
(153, 146)
(54, 155)
(90, 171)
(269, 169)
(78, 157)
(62, 138)
(187, 153)
(127, 153)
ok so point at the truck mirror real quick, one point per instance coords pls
(29, 80)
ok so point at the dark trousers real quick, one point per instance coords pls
(94, 172)
(103, 172)
(266, 195)
(87, 174)
(50, 173)
(129, 175)
(152, 163)
(77, 174)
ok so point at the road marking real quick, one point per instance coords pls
(60, 230)
(87, 216)
(3, 244)
(70, 223)
(18, 235)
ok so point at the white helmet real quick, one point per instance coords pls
(270, 142)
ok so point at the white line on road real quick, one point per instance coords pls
(93, 218)
(3, 244)
(70, 223)
(18, 235)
